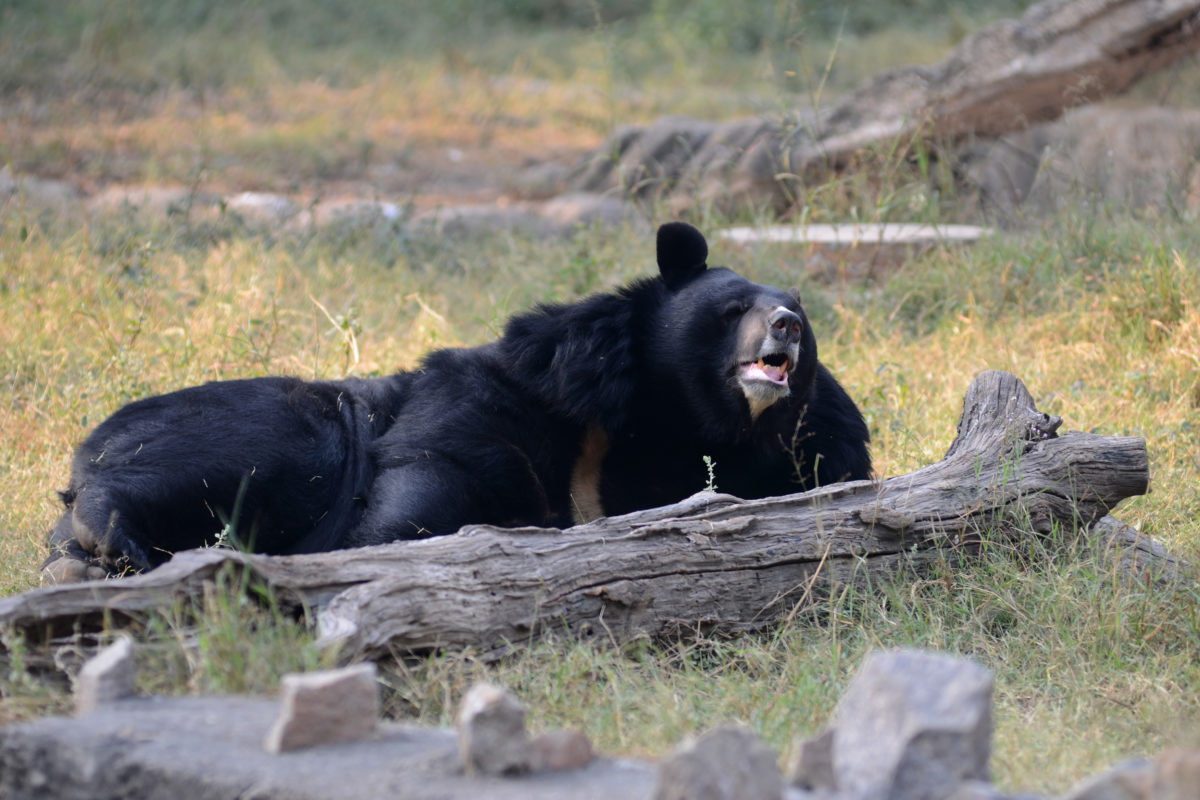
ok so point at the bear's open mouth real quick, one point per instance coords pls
(773, 368)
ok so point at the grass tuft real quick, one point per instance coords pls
(1089, 668)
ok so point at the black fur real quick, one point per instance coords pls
(481, 435)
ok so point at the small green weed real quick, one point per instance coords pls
(710, 466)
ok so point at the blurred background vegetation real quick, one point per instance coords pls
(148, 45)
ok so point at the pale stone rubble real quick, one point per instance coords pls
(325, 707)
(108, 676)
(1097, 154)
(911, 725)
(561, 215)
(727, 763)
(492, 739)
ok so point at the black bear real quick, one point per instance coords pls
(602, 406)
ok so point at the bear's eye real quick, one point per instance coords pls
(734, 309)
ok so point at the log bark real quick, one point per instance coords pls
(1060, 54)
(711, 562)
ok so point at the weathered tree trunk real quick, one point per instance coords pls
(1060, 54)
(711, 562)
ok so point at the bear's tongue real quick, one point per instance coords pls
(761, 369)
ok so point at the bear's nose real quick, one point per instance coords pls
(786, 326)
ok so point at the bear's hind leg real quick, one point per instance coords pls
(96, 531)
(416, 501)
(69, 561)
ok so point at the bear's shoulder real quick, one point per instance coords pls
(580, 359)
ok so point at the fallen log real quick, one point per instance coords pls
(1061, 54)
(711, 562)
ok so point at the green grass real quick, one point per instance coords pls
(1106, 332)
(1097, 310)
(291, 93)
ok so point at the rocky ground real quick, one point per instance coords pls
(911, 725)
(1144, 158)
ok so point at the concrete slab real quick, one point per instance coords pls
(853, 234)
(210, 748)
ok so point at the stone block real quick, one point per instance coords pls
(559, 750)
(1129, 780)
(492, 739)
(912, 726)
(109, 675)
(727, 763)
(812, 763)
(1176, 775)
(317, 708)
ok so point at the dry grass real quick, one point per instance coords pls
(1089, 669)
(1099, 312)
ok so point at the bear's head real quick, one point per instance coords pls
(698, 349)
(727, 348)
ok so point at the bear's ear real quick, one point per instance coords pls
(682, 253)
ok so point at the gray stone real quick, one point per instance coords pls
(151, 202)
(492, 739)
(466, 221)
(542, 180)
(559, 750)
(980, 790)
(728, 763)
(1135, 157)
(812, 763)
(646, 161)
(912, 726)
(108, 676)
(1176, 775)
(1129, 780)
(354, 213)
(40, 197)
(208, 748)
(976, 790)
(317, 708)
(586, 208)
(599, 171)
(262, 208)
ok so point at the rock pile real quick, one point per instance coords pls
(910, 726)
(50, 201)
